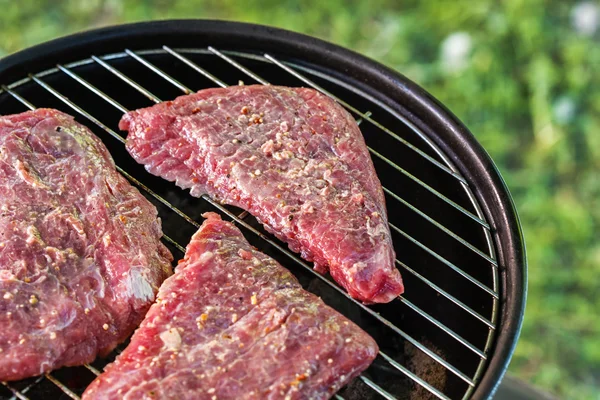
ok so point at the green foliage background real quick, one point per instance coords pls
(529, 90)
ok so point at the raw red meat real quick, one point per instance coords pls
(234, 324)
(293, 158)
(80, 252)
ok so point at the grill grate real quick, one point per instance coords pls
(297, 71)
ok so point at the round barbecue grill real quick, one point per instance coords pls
(455, 229)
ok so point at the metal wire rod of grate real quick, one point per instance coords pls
(20, 394)
(239, 219)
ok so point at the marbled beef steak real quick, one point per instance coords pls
(80, 252)
(294, 159)
(234, 324)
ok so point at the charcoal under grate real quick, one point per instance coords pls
(435, 339)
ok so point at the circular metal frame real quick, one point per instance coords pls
(453, 143)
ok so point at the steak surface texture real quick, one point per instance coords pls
(232, 323)
(294, 159)
(80, 252)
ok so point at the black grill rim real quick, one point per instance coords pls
(385, 84)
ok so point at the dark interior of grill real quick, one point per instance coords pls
(419, 292)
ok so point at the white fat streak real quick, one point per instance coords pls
(206, 256)
(138, 285)
(171, 339)
(63, 322)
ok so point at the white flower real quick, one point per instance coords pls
(455, 51)
(564, 110)
(585, 17)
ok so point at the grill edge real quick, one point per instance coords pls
(390, 89)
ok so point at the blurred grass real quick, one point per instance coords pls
(524, 77)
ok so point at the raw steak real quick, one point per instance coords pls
(80, 252)
(291, 157)
(234, 324)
